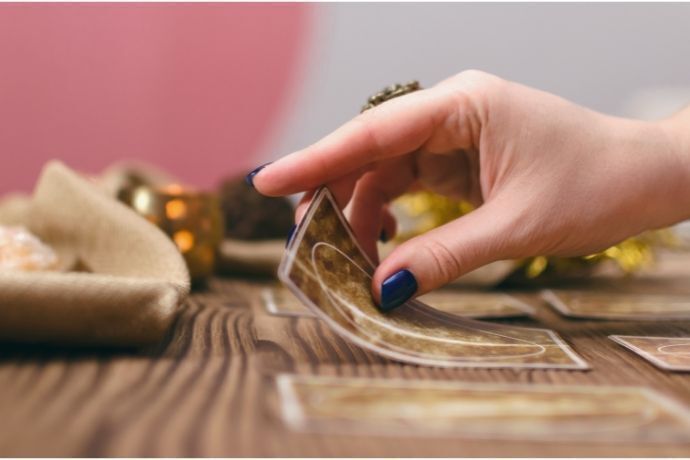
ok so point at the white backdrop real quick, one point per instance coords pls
(610, 57)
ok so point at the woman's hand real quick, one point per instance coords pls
(551, 177)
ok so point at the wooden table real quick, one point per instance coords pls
(208, 390)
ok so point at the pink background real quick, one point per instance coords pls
(196, 89)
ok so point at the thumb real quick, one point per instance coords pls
(439, 256)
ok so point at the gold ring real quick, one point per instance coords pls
(391, 92)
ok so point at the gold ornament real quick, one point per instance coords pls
(192, 219)
(389, 93)
(419, 212)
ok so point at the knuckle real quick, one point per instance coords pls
(366, 124)
(446, 263)
(474, 74)
(477, 91)
(479, 80)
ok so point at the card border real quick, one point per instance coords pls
(621, 340)
(526, 310)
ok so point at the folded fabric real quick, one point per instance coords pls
(14, 209)
(131, 278)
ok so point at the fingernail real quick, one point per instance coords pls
(397, 289)
(289, 236)
(383, 237)
(249, 179)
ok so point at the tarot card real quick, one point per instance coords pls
(476, 304)
(469, 304)
(669, 353)
(480, 410)
(327, 270)
(621, 306)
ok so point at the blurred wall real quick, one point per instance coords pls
(194, 88)
(210, 89)
(598, 55)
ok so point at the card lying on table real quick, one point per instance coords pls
(327, 270)
(480, 410)
(597, 305)
(280, 301)
(669, 353)
(473, 304)
(468, 304)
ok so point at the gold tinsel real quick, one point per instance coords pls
(419, 212)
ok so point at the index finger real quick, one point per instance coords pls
(397, 127)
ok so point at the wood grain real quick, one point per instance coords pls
(208, 390)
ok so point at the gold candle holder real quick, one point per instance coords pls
(191, 218)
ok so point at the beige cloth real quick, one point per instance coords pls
(14, 209)
(135, 278)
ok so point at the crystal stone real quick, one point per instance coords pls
(21, 250)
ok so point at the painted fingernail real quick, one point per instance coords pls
(289, 236)
(383, 237)
(249, 179)
(397, 289)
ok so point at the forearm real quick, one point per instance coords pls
(677, 128)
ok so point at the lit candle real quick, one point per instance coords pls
(191, 218)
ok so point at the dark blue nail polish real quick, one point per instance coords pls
(289, 236)
(383, 237)
(397, 289)
(249, 179)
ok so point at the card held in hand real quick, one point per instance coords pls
(326, 269)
